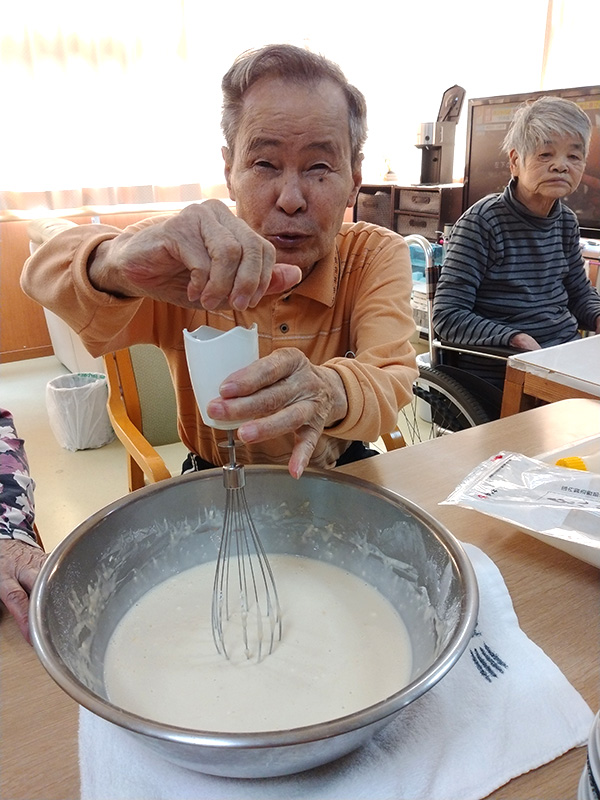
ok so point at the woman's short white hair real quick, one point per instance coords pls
(535, 123)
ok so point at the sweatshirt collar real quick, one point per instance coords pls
(543, 223)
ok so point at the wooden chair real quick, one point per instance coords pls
(38, 536)
(394, 440)
(142, 409)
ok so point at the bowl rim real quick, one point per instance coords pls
(375, 713)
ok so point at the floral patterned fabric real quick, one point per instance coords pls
(16, 485)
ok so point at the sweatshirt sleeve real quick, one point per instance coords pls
(56, 277)
(380, 372)
(469, 253)
(16, 485)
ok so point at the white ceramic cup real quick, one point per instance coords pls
(212, 356)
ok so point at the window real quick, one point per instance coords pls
(120, 101)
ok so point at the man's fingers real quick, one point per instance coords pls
(283, 278)
(241, 261)
(204, 256)
(301, 417)
(306, 441)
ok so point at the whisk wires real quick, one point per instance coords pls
(244, 593)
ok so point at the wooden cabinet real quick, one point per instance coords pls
(23, 329)
(410, 209)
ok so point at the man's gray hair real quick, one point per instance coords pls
(536, 123)
(291, 64)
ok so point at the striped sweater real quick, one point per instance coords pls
(508, 271)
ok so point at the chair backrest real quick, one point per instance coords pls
(158, 406)
(142, 409)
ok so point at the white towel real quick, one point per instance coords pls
(504, 709)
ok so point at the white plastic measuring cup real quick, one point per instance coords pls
(212, 356)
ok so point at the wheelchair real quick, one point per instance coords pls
(447, 398)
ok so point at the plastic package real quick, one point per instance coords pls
(76, 405)
(555, 501)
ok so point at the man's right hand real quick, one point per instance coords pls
(203, 257)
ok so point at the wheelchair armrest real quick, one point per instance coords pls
(492, 352)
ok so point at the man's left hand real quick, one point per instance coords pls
(283, 393)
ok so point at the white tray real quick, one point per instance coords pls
(590, 444)
(590, 555)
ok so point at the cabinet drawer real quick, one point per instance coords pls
(375, 207)
(422, 201)
(416, 223)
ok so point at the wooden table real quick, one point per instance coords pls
(556, 598)
(551, 374)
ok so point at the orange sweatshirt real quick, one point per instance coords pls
(352, 314)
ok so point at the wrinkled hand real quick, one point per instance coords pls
(283, 393)
(524, 342)
(19, 567)
(203, 257)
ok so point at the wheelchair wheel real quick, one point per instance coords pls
(447, 406)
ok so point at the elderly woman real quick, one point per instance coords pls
(513, 274)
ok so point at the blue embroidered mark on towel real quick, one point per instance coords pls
(488, 662)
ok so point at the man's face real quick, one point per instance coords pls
(291, 175)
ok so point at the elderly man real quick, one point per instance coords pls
(331, 299)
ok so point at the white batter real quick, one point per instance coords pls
(344, 647)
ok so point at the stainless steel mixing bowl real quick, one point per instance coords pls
(92, 578)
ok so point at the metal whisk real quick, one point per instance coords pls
(244, 591)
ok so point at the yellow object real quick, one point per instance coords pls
(587, 461)
(572, 462)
